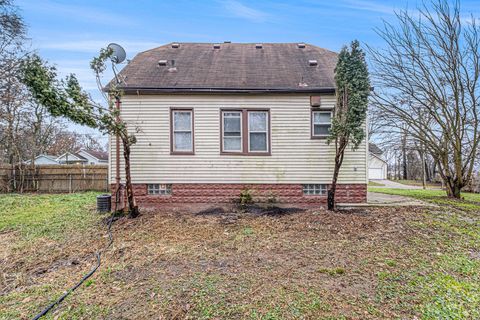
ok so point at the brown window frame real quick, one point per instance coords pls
(245, 135)
(172, 142)
(312, 129)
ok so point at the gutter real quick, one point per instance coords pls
(179, 90)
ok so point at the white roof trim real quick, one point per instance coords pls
(72, 156)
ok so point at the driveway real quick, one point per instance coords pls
(393, 185)
(375, 199)
(381, 199)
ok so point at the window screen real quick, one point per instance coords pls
(258, 131)
(232, 131)
(182, 131)
(322, 121)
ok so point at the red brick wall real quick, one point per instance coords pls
(224, 193)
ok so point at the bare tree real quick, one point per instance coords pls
(427, 79)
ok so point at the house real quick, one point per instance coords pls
(93, 156)
(377, 166)
(43, 159)
(82, 156)
(212, 120)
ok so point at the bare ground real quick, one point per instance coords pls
(195, 262)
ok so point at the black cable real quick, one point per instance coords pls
(98, 255)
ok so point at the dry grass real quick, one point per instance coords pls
(176, 264)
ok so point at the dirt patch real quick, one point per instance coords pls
(254, 209)
(475, 254)
(189, 262)
(211, 212)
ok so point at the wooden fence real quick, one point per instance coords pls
(53, 178)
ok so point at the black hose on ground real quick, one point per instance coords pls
(98, 255)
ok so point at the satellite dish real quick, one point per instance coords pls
(119, 54)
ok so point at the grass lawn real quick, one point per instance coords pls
(375, 184)
(375, 263)
(471, 201)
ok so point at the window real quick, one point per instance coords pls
(182, 131)
(159, 189)
(232, 131)
(321, 123)
(257, 131)
(314, 189)
(245, 132)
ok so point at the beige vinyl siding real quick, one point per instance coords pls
(295, 157)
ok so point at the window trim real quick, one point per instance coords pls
(172, 142)
(312, 129)
(245, 133)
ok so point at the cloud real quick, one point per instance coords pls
(369, 6)
(240, 10)
(78, 12)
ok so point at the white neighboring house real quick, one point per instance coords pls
(82, 156)
(93, 156)
(44, 159)
(377, 166)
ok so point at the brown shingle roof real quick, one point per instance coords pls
(235, 67)
(100, 155)
(373, 148)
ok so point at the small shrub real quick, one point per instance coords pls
(247, 231)
(332, 271)
(246, 197)
(390, 263)
(271, 198)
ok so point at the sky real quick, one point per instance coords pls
(70, 33)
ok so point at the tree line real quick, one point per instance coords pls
(27, 129)
(426, 99)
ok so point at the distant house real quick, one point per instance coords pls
(93, 156)
(44, 159)
(377, 166)
(216, 119)
(82, 156)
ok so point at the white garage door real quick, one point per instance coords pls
(375, 173)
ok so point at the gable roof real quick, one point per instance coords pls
(48, 156)
(373, 148)
(234, 67)
(100, 155)
(69, 156)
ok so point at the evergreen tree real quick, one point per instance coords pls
(348, 124)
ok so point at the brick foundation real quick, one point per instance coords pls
(227, 193)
